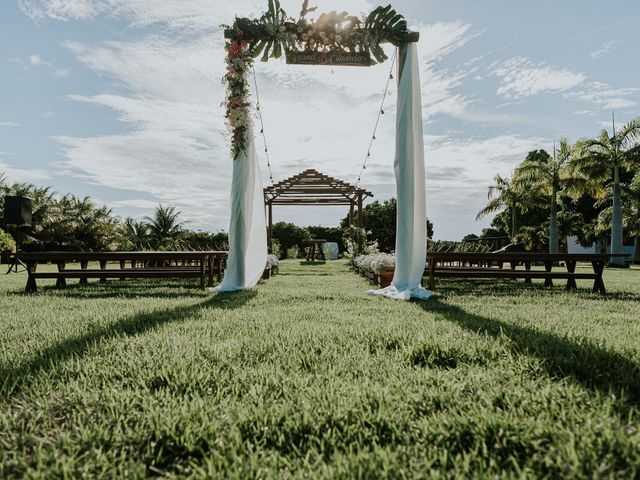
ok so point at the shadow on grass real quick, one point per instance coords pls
(305, 263)
(13, 379)
(127, 289)
(482, 288)
(592, 366)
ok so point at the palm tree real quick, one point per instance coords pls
(164, 225)
(547, 176)
(630, 213)
(632, 220)
(137, 233)
(600, 161)
(504, 194)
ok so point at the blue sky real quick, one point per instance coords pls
(120, 100)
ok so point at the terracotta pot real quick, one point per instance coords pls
(385, 278)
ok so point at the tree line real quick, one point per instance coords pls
(69, 222)
(590, 189)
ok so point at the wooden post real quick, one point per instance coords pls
(351, 208)
(270, 227)
(360, 211)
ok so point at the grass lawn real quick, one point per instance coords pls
(307, 376)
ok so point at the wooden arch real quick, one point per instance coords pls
(314, 188)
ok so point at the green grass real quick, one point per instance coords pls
(306, 376)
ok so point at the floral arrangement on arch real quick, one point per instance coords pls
(276, 32)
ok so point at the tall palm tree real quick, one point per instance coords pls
(600, 161)
(504, 194)
(137, 233)
(632, 220)
(547, 176)
(630, 213)
(164, 225)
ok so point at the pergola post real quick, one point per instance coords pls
(360, 210)
(351, 208)
(269, 226)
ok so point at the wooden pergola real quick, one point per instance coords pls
(314, 188)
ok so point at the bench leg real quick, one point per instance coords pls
(598, 284)
(103, 266)
(547, 267)
(203, 273)
(218, 262)
(210, 263)
(31, 281)
(571, 281)
(61, 282)
(123, 263)
(527, 267)
(83, 265)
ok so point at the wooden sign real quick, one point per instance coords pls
(332, 59)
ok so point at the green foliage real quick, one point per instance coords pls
(200, 241)
(65, 223)
(307, 377)
(164, 228)
(275, 32)
(289, 235)
(7, 243)
(380, 223)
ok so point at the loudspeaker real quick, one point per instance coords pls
(17, 211)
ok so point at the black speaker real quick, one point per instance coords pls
(17, 211)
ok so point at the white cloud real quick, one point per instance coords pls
(605, 49)
(9, 124)
(522, 77)
(20, 175)
(62, 9)
(176, 150)
(61, 73)
(35, 60)
(605, 96)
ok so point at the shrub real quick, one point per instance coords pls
(7, 243)
(289, 235)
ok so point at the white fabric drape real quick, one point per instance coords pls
(411, 226)
(247, 230)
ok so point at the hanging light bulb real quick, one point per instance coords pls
(391, 76)
(382, 112)
(374, 137)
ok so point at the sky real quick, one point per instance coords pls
(121, 100)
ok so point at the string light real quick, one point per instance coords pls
(380, 113)
(264, 137)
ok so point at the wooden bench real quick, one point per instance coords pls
(491, 265)
(203, 265)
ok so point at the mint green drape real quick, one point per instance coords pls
(411, 226)
(247, 229)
